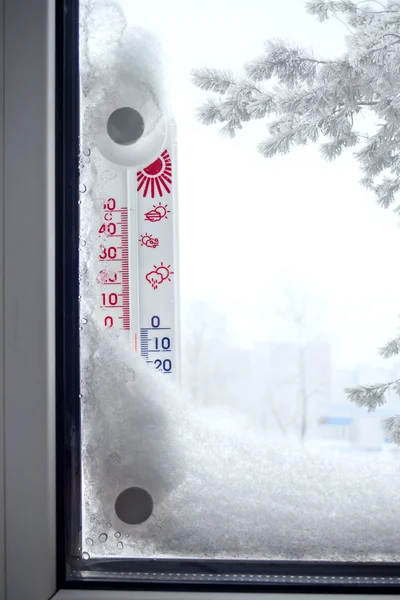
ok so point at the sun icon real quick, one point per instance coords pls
(158, 174)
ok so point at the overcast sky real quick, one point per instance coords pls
(251, 226)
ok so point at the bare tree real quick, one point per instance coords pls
(282, 423)
(296, 312)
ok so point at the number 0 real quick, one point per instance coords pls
(155, 321)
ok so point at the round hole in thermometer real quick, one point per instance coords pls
(125, 126)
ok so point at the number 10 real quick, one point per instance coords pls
(165, 343)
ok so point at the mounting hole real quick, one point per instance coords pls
(125, 126)
(134, 506)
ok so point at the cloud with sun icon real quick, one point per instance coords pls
(160, 274)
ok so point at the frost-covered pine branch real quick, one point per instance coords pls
(371, 396)
(392, 348)
(305, 98)
(213, 80)
(391, 427)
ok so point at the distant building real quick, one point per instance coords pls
(290, 380)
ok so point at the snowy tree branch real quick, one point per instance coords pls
(392, 348)
(370, 396)
(213, 80)
(318, 98)
(391, 427)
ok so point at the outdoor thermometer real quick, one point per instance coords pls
(136, 250)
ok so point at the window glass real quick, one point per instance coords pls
(253, 272)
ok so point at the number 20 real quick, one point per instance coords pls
(166, 364)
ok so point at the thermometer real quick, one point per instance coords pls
(136, 250)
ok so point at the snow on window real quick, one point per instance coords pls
(247, 434)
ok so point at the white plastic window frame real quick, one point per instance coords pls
(27, 452)
(27, 314)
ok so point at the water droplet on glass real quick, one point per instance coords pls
(89, 541)
(82, 188)
(117, 534)
(86, 151)
(86, 556)
(108, 524)
(84, 321)
(120, 545)
(103, 537)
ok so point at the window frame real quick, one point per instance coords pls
(39, 262)
(27, 300)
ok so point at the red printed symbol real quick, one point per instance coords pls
(148, 240)
(158, 174)
(106, 276)
(160, 274)
(157, 213)
(108, 322)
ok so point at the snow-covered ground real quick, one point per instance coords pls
(220, 491)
